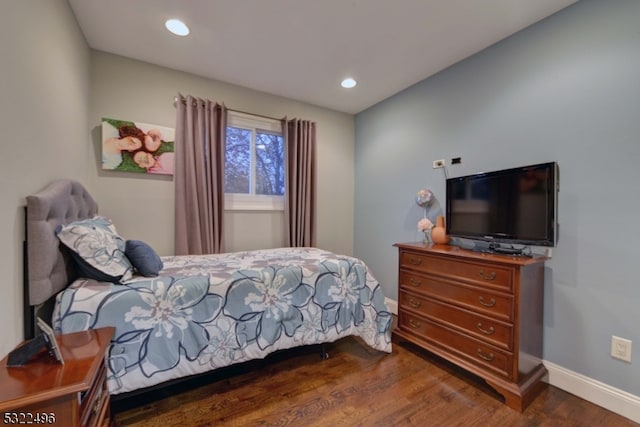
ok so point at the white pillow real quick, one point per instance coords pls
(97, 249)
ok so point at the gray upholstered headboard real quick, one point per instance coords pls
(48, 269)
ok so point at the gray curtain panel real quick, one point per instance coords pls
(300, 192)
(199, 176)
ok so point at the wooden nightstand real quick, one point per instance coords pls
(46, 392)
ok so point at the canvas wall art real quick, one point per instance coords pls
(137, 147)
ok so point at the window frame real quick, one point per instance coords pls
(254, 202)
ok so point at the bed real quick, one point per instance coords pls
(200, 313)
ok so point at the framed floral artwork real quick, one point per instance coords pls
(137, 147)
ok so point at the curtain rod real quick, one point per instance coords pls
(175, 100)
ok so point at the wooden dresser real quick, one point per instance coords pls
(45, 392)
(482, 312)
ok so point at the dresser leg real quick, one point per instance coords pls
(518, 397)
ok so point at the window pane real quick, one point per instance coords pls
(237, 173)
(269, 164)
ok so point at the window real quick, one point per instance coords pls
(254, 163)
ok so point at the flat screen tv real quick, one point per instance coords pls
(517, 206)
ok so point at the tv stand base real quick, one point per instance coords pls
(507, 251)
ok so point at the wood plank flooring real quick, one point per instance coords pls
(356, 386)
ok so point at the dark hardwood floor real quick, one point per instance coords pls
(356, 386)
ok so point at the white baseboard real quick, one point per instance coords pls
(392, 305)
(610, 398)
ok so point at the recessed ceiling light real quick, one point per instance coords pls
(348, 83)
(177, 27)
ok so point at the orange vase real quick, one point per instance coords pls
(438, 233)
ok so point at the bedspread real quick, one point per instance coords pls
(206, 312)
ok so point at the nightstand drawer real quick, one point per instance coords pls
(483, 328)
(482, 274)
(478, 299)
(94, 400)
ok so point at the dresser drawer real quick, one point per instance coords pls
(481, 354)
(483, 328)
(478, 299)
(485, 274)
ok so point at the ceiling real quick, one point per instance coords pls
(303, 49)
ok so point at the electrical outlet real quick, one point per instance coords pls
(621, 348)
(438, 164)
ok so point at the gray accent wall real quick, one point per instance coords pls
(142, 206)
(44, 86)
(568, 90)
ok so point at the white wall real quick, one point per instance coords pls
(565, 90)
(142, 206)
(44, 82)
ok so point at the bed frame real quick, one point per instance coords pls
(47, 268)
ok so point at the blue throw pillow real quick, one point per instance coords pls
(97, 249)
(143, 258)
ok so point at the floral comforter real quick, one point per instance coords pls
(206, 312)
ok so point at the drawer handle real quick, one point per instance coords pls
(488, 357)
(485, 331)
(415, 261)
(97, 404)
(485, 276)
(415, 282)
(414, 324)
(414, 303)
(491, 302)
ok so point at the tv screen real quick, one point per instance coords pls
(516, 205)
